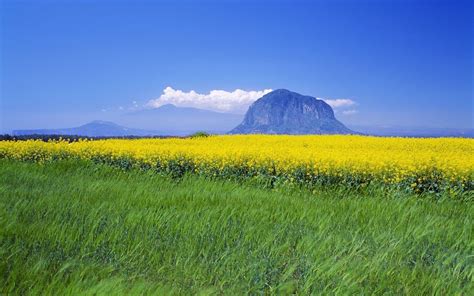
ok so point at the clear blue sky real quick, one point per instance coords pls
(406, 63)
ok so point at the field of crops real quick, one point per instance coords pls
(421, 165)
(182, 216)
(78, 228)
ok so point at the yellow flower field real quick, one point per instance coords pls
(417, 163)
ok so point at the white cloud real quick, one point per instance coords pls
(338, 103)
(236, 101)
(350, 112)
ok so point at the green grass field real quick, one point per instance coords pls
(69, 228)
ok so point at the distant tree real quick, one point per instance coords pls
(200, 135)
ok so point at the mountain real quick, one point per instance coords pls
(285, 112)
(417, 132)
(93, 129)
(167, 120)
(173, 120)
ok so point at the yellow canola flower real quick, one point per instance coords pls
(390, 160)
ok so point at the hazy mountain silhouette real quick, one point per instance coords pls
(96, 128)
(167, 120)
(419, 132)
(181, 120)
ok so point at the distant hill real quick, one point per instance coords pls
(286, 112)
(418, 132)
(181, 120)
(167, 120)
(93, 129)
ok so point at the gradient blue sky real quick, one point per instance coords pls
(405, 63)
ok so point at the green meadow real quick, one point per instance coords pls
(78, 228)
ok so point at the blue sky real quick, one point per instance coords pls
(405, 63)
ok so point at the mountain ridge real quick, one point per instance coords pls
(181, 120)
(95, 128)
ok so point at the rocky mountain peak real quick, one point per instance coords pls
(285, 112)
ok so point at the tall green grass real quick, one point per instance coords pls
(69, 228)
